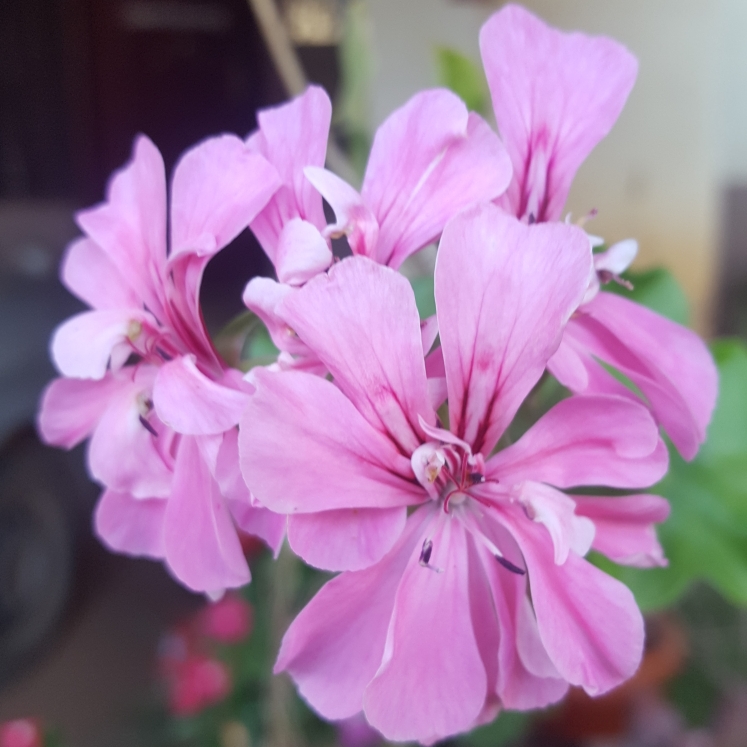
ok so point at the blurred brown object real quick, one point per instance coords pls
(581, 717)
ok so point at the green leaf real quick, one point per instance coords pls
(464, 77)
(424, 295)
(506, 728)
(705, 537)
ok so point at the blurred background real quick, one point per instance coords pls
(79, 628)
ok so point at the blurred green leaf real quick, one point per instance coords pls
(464, 77)
(424, 295)
(658, 290)
(506, 728)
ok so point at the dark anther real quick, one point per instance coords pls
(531, 219)
(164, 354)
(148, 427)
(509, 566)
(475, 478)
(425, 553)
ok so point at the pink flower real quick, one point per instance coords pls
(141, 375)
(429, 160)
(229, 620)
(556, 95)
(198, 683)
(21, 732)
(432, 628)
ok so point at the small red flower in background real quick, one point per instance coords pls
(200, 681)
(22, 732)
(229, 620)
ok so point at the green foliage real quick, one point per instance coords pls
(424, 295)
(504, 730)
(465, 77)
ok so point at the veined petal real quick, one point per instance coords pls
(202, 547)
(625, 527)
(555, 96)
(89, 273)
(131, 225)
(218, 188)
(362, 322)
(348, 539)
(504, 292)
(304, 447)
(335, 645)
(589, 622)
(586, 441)
(130, 525)
(291, 137)
(674, 368)
(191, 403)
(438, 659)
(71, 408)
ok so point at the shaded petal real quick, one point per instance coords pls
(71, 408)
(504, 292)
(431, 648)
(191, 403)
(674, 369)
(362, 322)
(302, 252)
(124, 454)
(625, 527)
(352, 216)
(82, 345)
(130, 525)
(335, 645)
(586, 441)
(555, 96)
(589, 622)
(131, 225)
(89, 273)
(202, 547)
(304, 447)
(348, 539)
(218, 188)
(291, 137)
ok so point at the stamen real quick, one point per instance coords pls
(509, 566)
(148, 427)
(425, 553)
(532, 219)
(475, 478)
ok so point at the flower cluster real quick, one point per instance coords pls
(377, 440)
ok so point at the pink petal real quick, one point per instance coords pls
(334, 646)
(202, 547)
(191, 403)
(677, 374)
(345, 540)
(555, 95)
(259, 522)
(124, 454)
(431, 648)
(504, 292)
(586, 441)
(352, 216)
(131, 225)
(291, 137)
(304, 447)
(302, 252)
(91, 275)
(625, 527)
(218, 188)
(556, 511)
(82, 345)
(362, 322)
(71, 408)
(131, 525)
(429, 160)
(589, 622)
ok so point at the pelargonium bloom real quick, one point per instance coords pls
(430, 159)
(140, 374)
(555, 96)
(466, 588)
